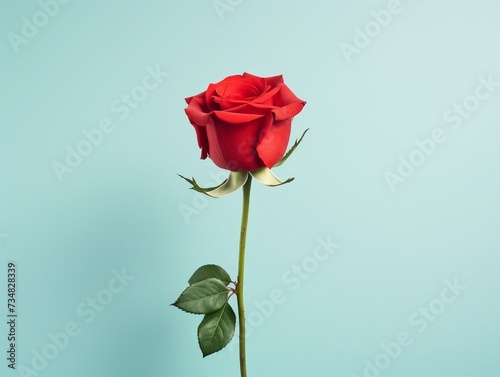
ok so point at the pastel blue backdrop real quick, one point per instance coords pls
(379, 78)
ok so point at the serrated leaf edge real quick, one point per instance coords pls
(232, 336)
(206, 265)
(191, 286)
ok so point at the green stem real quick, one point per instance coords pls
(241, 273)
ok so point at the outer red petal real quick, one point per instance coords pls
(288, 111)
(198, 118)
(258, 78)
(196, 110)
(232, 146)
(274, 141)
(275, 80)
(288, 103)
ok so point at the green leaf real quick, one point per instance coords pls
(292, 149)
(235, 180)
(267, 177)
(210, 271)
(216, 330)
(203, 297)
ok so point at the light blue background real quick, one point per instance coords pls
(120, 208)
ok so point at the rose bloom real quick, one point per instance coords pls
(243, 122)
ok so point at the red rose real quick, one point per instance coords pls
(243, 122)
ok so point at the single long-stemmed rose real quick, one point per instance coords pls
(243, 124)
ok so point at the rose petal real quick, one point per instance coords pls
(287, 103)
(239, 106)
(198, 119)
(214, 151)
(261, 80)
(274, 141)
(272, 81)
(239, 90)
(236, 118)
(202, 138)
(196, 112)
(288, 111)
(233, 148)
(275, 80)
(267, 98)
(211, 105)
(286, 97)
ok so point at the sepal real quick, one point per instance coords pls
(210, 271)
(292, 149)
(235, 180)
(267, 177)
